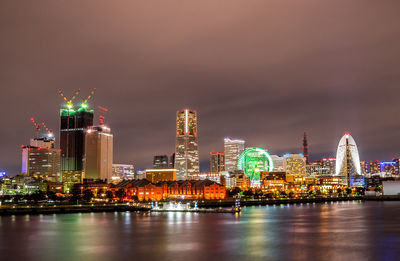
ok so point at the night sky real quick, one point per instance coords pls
(264, 71)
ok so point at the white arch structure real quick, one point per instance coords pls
(347, 142)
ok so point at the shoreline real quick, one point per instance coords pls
(216, 206)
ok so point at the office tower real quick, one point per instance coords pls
(348, 160)
(305, 147)
(72, 142)
(294, 164)
(160, 162)
(123, 171)
(172, 161)
(217, 161)
(98, 153)
(40, 159)
(186, 150)
(232, 150)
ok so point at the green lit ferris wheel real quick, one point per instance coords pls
(252, 161)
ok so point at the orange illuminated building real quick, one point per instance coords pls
(187, 189)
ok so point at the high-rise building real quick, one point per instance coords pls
(72, 142)
(347, 159)
(160, 162)
(217, 161)
(186, 149)
(40, 159)
(98, 153)
(232, 150)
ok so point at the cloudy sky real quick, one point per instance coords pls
(264, 71)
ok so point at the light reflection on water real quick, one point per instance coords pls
(340, 231)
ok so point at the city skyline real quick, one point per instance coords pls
(246, 81)
(87, 106)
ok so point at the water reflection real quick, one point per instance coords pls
(342, 230)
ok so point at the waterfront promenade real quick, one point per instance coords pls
(62, 208)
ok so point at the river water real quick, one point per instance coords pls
(332, 231)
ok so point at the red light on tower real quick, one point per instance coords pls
(305, 147)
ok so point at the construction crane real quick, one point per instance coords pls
(36, 125)
(49, 131)
(101, 116)
(40, 125)
(84, 102)
(69, 103)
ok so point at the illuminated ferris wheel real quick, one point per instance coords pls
(252, 161)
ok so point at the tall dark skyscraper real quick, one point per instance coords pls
(73, 125)
(186, 149)
(160, 162)
(305, 147)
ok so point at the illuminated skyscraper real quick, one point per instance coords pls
(186, 149)
(232, 148)
(98, 153)
(347, 159)
(217, 161)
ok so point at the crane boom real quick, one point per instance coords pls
(36, 125)
(69, 102)
(90, 96)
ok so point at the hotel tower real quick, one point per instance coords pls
(186, 149)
